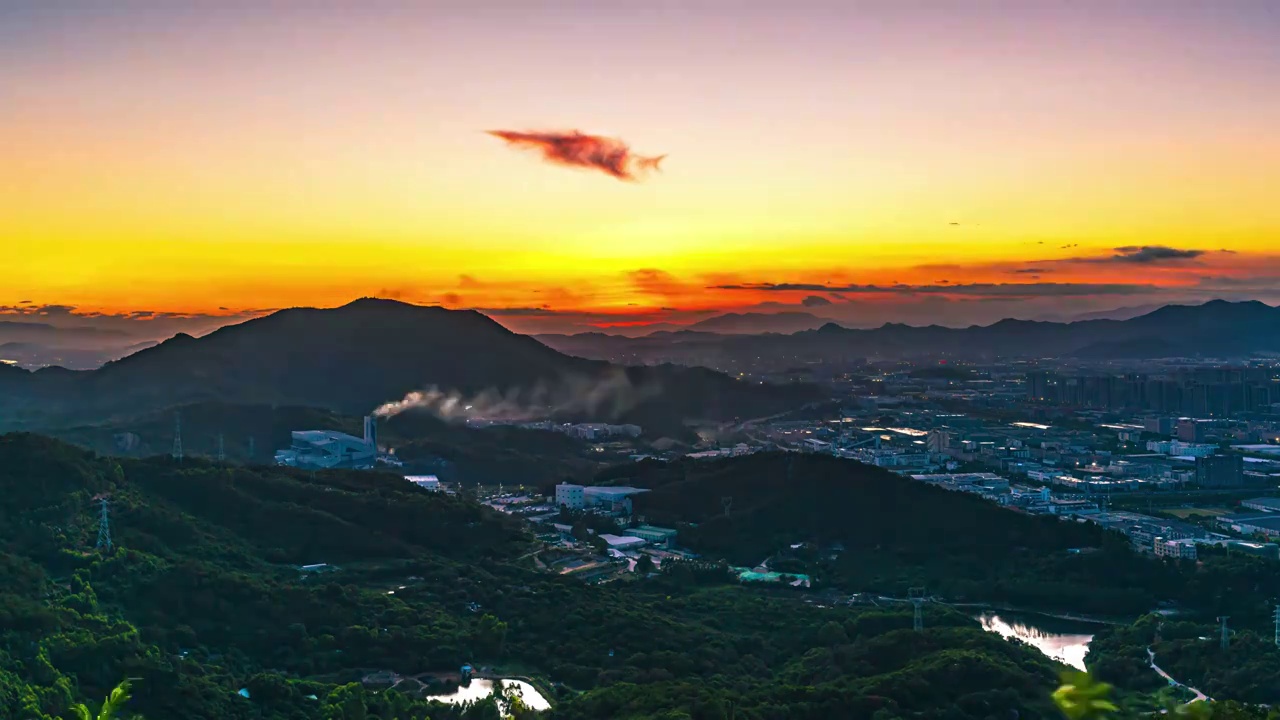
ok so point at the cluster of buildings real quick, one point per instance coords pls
(612, 500)
(1262, 520)
(1209, 391)
(581, 431)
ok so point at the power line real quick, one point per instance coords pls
(177, 436)
(104, 524)
(1277, 619)
(917, 600)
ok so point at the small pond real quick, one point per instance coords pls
(480, 689)
(1066, 641)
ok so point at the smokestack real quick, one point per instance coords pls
(371, 432)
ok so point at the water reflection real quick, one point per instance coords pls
(481, 689)
(1066, 641)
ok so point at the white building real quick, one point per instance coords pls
(570, 496)
(622, 542)
(325, 449)
(1182, 449)
(1184, 549)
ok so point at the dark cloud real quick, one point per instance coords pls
(577, 149)
(815, 301)
(546, 311)
(1030, 271)
(1010, 290)
(517, 311)
(653, 281)
(1147, 254)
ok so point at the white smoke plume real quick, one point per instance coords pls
(604, 397)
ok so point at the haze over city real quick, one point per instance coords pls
(949, 163)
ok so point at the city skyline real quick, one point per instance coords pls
(879, 162)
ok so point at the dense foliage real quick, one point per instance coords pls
(1248, 670)
(201, 598)
(867, 530)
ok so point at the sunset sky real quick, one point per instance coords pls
(864, 161)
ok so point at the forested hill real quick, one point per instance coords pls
(200, 598)
(896, 533)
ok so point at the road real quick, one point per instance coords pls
(1199, 695)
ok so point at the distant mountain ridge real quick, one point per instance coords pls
(758, 323)
(353, 358)
(1214, 329)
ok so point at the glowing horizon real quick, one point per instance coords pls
(183, 160)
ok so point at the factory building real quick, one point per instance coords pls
(570, 496)
(1263, 504)
(328, 449)
(654, 535)
(1266, 524)
(623, 542)
(610, 499)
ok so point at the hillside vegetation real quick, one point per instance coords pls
(201, 597)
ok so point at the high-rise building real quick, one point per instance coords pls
(1038, 384)
(1189, 430)
(939, 440)
(1220, 471)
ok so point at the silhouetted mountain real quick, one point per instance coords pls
(46, 334)
(1123, 313)
(644, 349)
(353, 358)
(1214, 329)
(757, 323)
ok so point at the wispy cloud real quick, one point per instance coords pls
(1148, 254)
